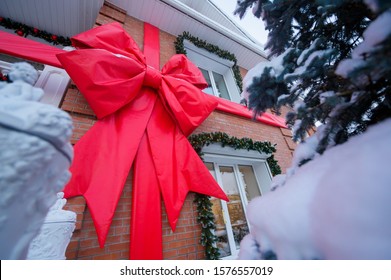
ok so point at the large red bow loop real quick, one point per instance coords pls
(144, 118)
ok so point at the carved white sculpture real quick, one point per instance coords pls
(35, 155)
(55, 234)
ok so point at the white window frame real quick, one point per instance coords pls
(211, 62)
(227, 156)
(54, 82)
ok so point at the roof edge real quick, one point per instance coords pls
(245, 42)
(240, 28)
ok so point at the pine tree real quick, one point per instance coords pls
(330, 60)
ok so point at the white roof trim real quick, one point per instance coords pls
(244, 32)
(215, 26)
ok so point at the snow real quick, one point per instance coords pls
(378, 31)
(348, 65)
(302, 69)
(299, 104)
(282, 97)
(255, 8)
(334, 207)
(69, 48)
(296, 126)
(373, 5)
(305, 150)
(356, 96)
(278, 181)
(324, 95)
(249, 249)
(306, 51)
(336, 111)
(277, 68)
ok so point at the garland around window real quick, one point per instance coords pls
(180, 49)
(204, 206)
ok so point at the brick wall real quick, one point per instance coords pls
(184, 243)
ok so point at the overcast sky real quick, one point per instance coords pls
(251, 24)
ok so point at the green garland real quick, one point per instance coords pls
(23, 30)
(204, 206)
(206, 219)
(180, 49)
(200, 140)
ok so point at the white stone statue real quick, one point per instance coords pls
(35, 155)
(55, 233)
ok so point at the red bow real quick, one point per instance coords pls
(144, 118)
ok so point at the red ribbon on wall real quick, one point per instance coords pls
(28, 49)
(144, 118)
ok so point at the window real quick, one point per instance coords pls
(216, 84)
(243, 175)
(217, 72)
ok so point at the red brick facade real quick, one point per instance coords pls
(184, 243)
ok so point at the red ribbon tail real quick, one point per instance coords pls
(103, 158)
(179, 168)
(102, 223)
(146, 222)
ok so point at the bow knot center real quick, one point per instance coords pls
(152, 78)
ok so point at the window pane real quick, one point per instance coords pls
(250, 183)
(235, 206)
(221, 86)
(209, 89)
(221, 230)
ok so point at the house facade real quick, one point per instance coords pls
(243, 174)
